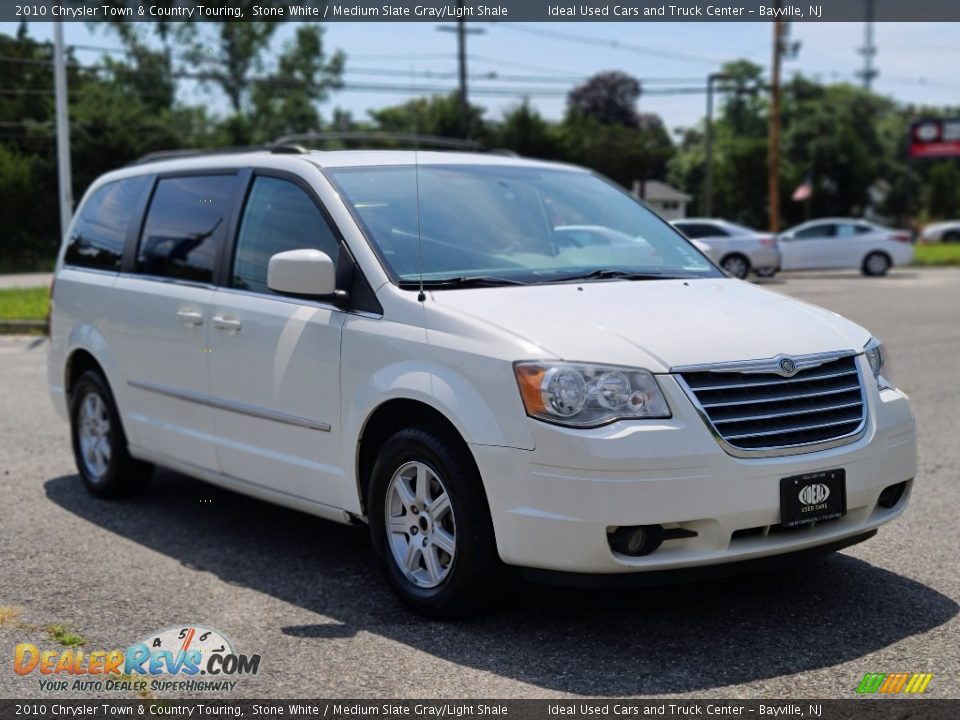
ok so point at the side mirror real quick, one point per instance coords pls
(306, 273)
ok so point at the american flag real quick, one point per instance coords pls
(804, 190)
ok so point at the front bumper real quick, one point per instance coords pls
(553, 506)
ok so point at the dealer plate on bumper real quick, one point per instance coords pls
(813, 497)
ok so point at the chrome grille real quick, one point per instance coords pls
(762, 412)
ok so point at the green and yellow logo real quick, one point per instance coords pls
(894, 683)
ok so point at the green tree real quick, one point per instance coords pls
(943, 190)
(436, 115)
(603, 130)
(287, 102)
(609, 97)
(524, 131)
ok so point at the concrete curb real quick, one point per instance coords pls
(17, 327)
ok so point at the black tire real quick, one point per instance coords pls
(736, 265)
(118, 475)
(952, 236)
(876, 264)
(473, 573)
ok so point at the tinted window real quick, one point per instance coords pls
(699, 230)
(98, 235)
(846, 230)
(279, 216)
(817, 231)
(185, 226)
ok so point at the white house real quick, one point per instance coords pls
(663, 199)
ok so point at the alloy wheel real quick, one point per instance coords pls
(421, 530)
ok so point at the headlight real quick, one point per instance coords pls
(876, 355)
(581, 395)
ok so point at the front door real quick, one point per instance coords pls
(275, 360)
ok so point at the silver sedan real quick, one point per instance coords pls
(735, 248)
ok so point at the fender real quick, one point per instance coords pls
(451, 394)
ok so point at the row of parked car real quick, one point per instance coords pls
(827, 243)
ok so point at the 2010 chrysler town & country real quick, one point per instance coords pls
(492, 361)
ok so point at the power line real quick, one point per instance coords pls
(615, 44)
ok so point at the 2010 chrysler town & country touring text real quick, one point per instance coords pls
(492, 361)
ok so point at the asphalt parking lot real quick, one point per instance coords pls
(304, 594)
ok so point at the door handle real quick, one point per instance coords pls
(190, 317)
(224, 323)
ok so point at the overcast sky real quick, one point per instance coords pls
(917, 62)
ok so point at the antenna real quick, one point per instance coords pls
(416, 174)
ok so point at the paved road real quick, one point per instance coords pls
(301, 592)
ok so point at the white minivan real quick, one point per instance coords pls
(430, 344)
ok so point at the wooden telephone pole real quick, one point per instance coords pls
(773, 163)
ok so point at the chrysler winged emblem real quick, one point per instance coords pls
(788, 367)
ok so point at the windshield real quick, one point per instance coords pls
(488, 225)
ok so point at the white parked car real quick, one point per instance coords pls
(492, 362)
(947, 231)
(735, 248)
(845, 243)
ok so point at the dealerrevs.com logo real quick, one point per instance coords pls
(189, 658)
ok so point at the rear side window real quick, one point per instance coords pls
(185, 226)
(279, 216)
(817, 231)
(100, 230)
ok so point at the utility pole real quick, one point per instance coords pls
(462, 31)
(868, 50)
(773, 162)
(707, 204)
(63, 129)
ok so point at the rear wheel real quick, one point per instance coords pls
(876, 264)
(952, 236)
(736, 264)
(99, 443)
(430, 523)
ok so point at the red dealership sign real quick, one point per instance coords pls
(935, 137)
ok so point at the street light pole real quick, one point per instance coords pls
(707, 204)
(63, 129)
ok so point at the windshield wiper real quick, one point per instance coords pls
(460, 282)
(618, 275)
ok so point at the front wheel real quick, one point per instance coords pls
(430, 523)
(876, 264)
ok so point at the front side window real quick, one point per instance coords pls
(279, 216)
(185, 226)
(493, 224)
(100, 231)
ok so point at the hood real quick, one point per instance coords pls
(655, 324)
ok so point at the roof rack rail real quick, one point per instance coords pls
(292, 143)
(193, 152)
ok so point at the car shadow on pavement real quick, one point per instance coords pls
(663, 640)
